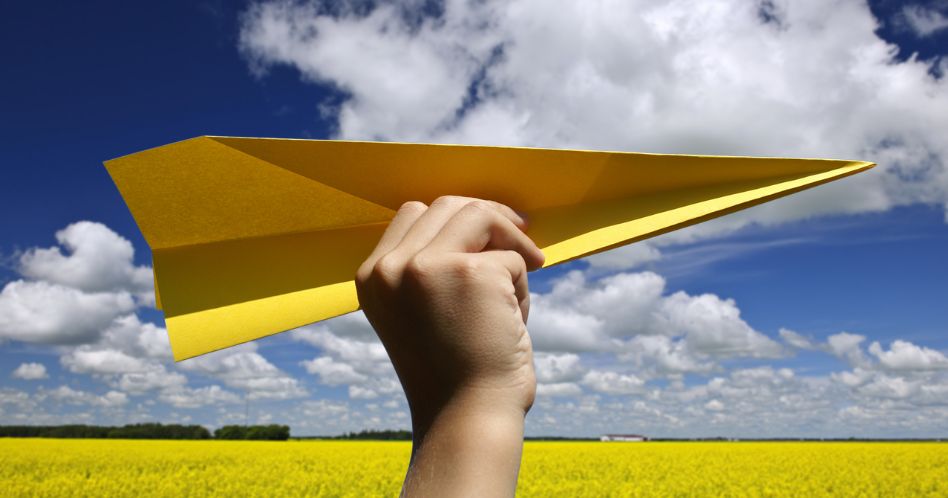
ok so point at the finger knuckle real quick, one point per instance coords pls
(387, 270)
(485, 209)
(412, 206)
(448, 200)
(481, 205)
(468, 268)
(417, 267)
(363, 274)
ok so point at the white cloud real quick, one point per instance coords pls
(557, 329)
(96, 260)
(714, 405)
(66, 394)
(382, 386)
(333, 373)
(414, 75)
(903, 355)
(925, 21)
(889, 387)
(847, 346)
(47, 313)
(155, 377)
(629, 313)
(365, 354)
(103, 361)
(796, 340)
(613, 382)
(857, 377)
(570, 389)
(663, 355)
(354, 326)
(30, 371)
(352, 355)
(196, 398)
(19, 400)
(141, 339)
(324, 409)
(713, 326)
(70, 298)
(242, 367)
(129, 354)
(811, 79)
(84, 295)
(553, 368)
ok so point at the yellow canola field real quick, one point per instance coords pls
(77, 467)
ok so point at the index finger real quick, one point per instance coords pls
(478, 226)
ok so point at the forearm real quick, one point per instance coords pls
(468, 449)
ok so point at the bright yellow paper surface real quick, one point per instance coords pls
(254, 236)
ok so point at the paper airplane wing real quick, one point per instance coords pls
(252, 236)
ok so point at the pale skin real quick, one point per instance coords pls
(446, 291)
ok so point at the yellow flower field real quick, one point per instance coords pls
(83, 467)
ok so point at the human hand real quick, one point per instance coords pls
(446, 291)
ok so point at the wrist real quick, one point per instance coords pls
(471, 409)
(469, 447)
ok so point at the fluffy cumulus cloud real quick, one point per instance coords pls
(903, 355)
(96, 260)
(47, 313)
(195, 398)
(243, 368)
(351, 356)
(134, 358)
(631, 312)
(82, 298)
(777, 78)
(70, 297)
(759, 401)
(66, 394)
(30, 371)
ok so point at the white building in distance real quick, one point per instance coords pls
(628, 438)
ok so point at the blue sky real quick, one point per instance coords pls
(864, 257)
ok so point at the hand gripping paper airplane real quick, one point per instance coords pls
(254, 236)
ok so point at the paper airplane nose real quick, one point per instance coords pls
(254, 236)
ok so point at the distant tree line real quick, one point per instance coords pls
(148, 431)
(272, 432)
(131, 431)
(374, 435)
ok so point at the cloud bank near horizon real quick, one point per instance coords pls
(612, 351)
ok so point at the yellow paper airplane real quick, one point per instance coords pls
(254, 236)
